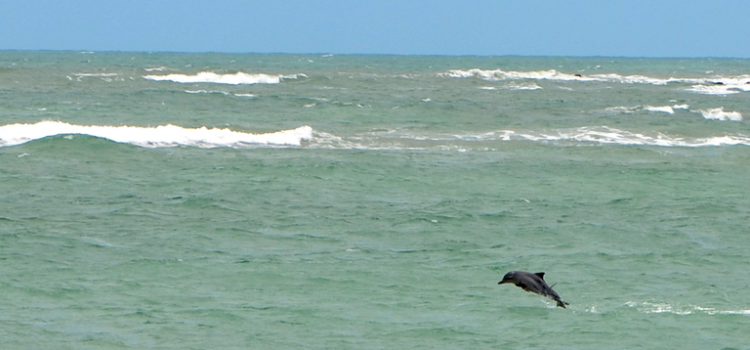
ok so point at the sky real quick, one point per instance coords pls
(629, 28)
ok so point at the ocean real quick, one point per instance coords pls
(279, 201)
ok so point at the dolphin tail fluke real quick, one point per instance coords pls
(561, 303)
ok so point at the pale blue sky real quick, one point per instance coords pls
(635, 28)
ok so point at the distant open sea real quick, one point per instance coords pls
(258, 201)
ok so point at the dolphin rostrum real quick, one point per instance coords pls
(533, 282)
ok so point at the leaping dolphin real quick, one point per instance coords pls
(533, 282)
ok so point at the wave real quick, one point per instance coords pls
(513, 87)
(390, 139)
(155, 69)
(153, 137)
(660, 308)
(607, 135)
(659, 109)
(723, 86)
(108, 77)
(720, 114)
(207, 92)
(499, 74)
(552, 74)
(710, 114)
(385, 139)
(195, 92)
(712, 86)
(239, 78)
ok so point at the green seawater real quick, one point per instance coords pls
(391, 226)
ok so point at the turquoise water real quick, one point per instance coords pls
(371, 202)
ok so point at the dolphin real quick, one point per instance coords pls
(533, 282)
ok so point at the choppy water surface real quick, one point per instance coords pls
(207, 201)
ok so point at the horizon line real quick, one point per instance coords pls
(86, 51)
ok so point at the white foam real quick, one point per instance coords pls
(720, 114)
(152, 137)
(621, 109)
(722, 86)
(498, 74)
(99, 75)
(607, 135)
(108, 77)
(551, 74)
(406, 139)
(217, 92)
(713, 86)
(635, 79)
(523, 87)
(660, 308)
(239, 78)
(654, 109)
(659, 109)
(712, 90)
(207, 92)
(390, 139)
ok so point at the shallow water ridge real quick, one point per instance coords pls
(216, 201)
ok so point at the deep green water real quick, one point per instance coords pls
(391, 225)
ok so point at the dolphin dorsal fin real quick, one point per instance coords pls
(540, 274)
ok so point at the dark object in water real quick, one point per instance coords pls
(533, 282)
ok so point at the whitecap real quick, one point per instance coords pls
(713, 90)
(720, 114)
(722, 85)
(155, 69)
(647, 108)
(207, 92)
(660, 109)
(621, 109)
(717, 86)
(662, 307)
(160, 136)
(606, 135)
(108, 77)
(407, 139)
(85, 75)
(499, 74)
(239, 78)
(523, 87)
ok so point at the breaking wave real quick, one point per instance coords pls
(386, 139)
(720, 114)
(239, 78)
(153, 137)
(710, 86)
(395, 139)
(711, 114)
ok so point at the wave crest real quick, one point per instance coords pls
(710, 86)
(399, 139)
(160, 136)
(239, 78)
(720, 114)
